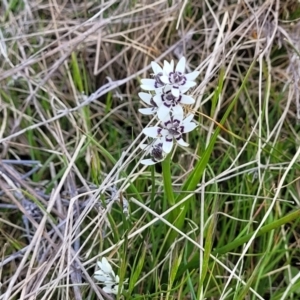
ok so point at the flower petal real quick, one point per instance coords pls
(181, 142)
(181, 65)
(157, 100)
(188, 119)
(117, 279)
(145, 97)
(148, 84)
(183, 89)
(159, 90)
(151, 131)
(176, 117)
(156, 142)
(175, 91)
(156, 68)
(148, 162)
(163, 133)
(110, 289)
(167, 146)
(148, 111)
(177, 110)
(187, 85)
(187, 99)
(168, 67)
(100, 273)
(105, 266)
(192, 76)
(189, 127)
(172, 64)
(165, 79)
(104, 278)
(163, 112)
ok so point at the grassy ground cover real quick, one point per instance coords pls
(216, 220)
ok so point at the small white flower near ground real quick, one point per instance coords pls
(106, 273)
(107, 276)
(171, 128)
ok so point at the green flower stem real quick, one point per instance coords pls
(167, 177)
(177, 215)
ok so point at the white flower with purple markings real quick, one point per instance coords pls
(177, 79)
(172, 128)
(168, 103)
(156, 152)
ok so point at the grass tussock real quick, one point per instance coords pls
(221, 221)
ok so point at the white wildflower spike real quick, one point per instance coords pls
(171, 128)
(107, 276)
(168, 103)
(148, 99)
(167, 99)
(106, 273)
(156, 152)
